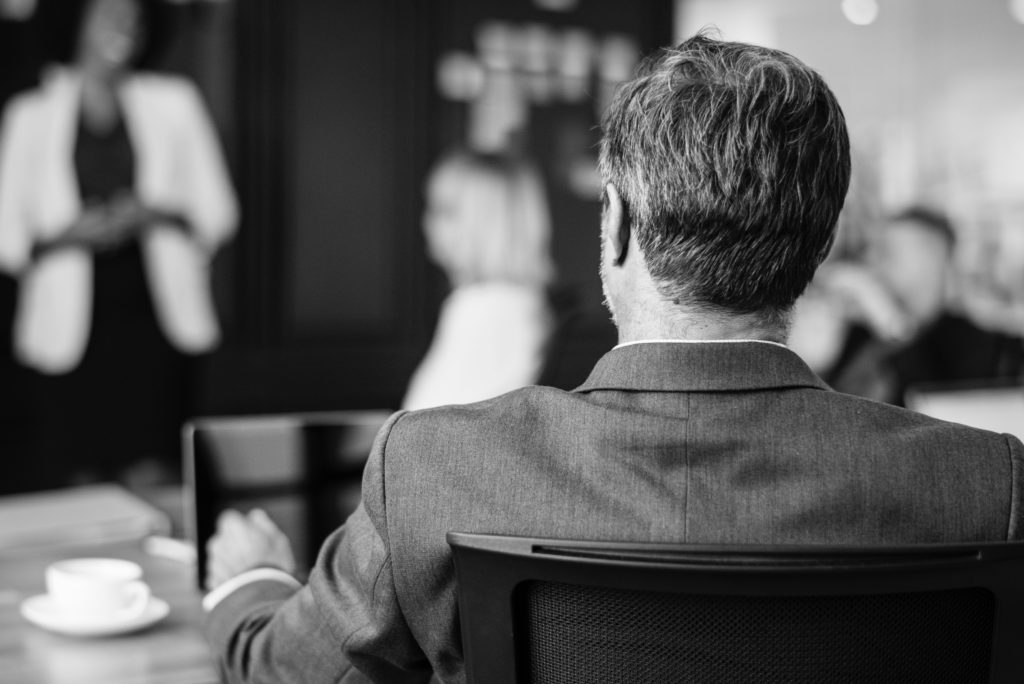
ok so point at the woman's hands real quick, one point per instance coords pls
(104, 226)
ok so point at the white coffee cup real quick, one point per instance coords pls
(97, 589)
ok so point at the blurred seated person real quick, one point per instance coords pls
(990, 288)
(875, 329)
(114, 197)
(487, 225)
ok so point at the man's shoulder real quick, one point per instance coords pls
(515, 410)
(880, 421)
(536, 416)
(531, 398)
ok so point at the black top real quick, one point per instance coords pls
(125, 400)
(104, 162)
(105, 167)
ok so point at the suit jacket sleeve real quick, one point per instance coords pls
(1015, 532)
(345, 625)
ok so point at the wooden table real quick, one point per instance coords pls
(171, 652)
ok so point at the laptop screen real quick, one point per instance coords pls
(305, 470)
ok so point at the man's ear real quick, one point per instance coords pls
(615, 224)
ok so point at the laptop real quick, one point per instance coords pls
(999, 408)
(304, 469)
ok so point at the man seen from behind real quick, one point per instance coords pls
(725, 166)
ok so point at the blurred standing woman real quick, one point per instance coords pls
(113, 198)
(487, 225)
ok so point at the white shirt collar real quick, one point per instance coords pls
(627, 344)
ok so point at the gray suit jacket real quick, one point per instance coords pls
(715, 442)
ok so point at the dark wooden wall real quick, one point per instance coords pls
(328, 298)
(332, 300)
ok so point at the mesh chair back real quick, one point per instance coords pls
(544, 611)
(574, 632)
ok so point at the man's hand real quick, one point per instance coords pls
(244, 542)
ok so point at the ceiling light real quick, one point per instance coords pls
(862, 12)
(1017, 10)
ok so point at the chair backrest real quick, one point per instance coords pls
(305, 469)
(544, 610)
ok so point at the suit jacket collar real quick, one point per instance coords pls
(700, 367)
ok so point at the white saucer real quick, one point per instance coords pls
(40, 611)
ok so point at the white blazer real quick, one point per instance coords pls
(179, 169)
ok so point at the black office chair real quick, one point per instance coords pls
(544, 610)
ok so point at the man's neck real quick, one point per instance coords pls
(641, 312)
(677, 323)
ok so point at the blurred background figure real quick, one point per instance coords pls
(990, 282)
(878, 326)
(113, 198)
(487, 226)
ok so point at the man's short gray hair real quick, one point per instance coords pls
(733, 162)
